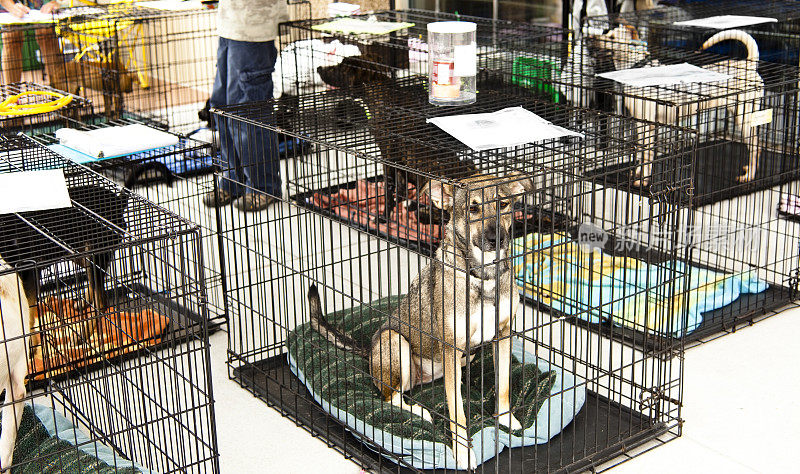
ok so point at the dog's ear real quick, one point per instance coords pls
(521, 183)
(441, 194)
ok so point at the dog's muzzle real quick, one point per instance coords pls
(492, 238)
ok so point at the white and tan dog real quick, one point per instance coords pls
(466, 296)
(14, 329)
(628, 51)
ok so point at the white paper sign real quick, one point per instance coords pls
(36, 16)
(33, 16)
(761, 117)
(465, 60)
(664, 75)
(172, 5)
(33, 191)
(508, 127)
(724, 22)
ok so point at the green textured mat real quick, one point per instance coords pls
(342, 379)
(39, 452)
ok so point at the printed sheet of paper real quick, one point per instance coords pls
(33, 191)
(33, 16)
(36, 16)
(664, 75)
(725, 22)
(508, 127)
(173, 5)
(357, 26)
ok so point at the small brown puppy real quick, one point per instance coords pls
(466, 296)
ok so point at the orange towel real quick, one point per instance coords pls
(59, 347)
(364, 204)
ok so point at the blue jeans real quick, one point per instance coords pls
(244, 74)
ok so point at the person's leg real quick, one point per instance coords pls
(219, 97)
(52, 57)
(257, 148)
(12, 56)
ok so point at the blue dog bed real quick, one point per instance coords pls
(545, 398)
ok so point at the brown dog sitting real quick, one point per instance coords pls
(466, 296)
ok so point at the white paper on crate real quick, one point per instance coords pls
(670, 75)
(512, 126)
(33, 191)
(725, 22)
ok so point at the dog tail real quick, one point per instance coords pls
(735, 35)
(322, 326)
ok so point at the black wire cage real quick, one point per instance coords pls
(663, 26)
(103, 309)
(151, 64)
(394, 40)
(171, 170)
(354, 304)
(43, 108)
(745, 163)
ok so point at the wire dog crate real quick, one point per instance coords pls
(661, 26)
(176, 176)
(588, 381)
(28, 94)
(745, 161)
(104, 309)
(146, 63)
(396, 41)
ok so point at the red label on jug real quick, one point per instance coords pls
(443, 72)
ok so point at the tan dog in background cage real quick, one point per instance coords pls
(15, 314)
(110, 78)
(739, 95)
(466, 296)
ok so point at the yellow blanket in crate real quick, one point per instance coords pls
(596, 286)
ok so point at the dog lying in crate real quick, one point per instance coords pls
(368, 78)
(427, 336)
(741, 94)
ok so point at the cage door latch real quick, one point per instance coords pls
(649, 398)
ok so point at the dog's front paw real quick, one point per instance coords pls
(640, 176)
(747, 176)
(510, 421)
(5, 463)
(465, 458)
(421, 411)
